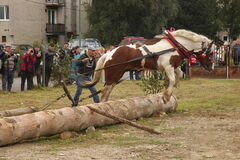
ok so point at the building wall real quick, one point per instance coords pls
(27, 21)
(224, 36)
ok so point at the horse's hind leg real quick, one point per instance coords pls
(106, 92)
(179, 75)
(172, 80)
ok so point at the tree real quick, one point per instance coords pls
(111, 20)
(200, 16)
(230, 15)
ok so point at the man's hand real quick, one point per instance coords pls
(39, 55)
(74, 60)
(85, 60)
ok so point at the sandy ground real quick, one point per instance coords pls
(196, 135)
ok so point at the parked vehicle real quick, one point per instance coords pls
(131, 40)
(86, 43)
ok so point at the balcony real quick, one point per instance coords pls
(54, 3)
(55, 29)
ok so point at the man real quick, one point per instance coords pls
(21, 52)
(37, 66)
(74, 66)
(8, 66)
(86, 64)
(49, 62)
(65, 50)
(27, 69)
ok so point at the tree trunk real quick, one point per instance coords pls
(51, 122)
(18, 111)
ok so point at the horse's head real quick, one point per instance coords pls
(205, 56)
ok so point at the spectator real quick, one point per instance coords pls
(27, 69)
(65, 50)
(8, 66)
(75, 57)
(86, 63)
(49, 62)
(37, 66)
(21, 52)
(238, 53)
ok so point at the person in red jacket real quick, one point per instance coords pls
(27, 69)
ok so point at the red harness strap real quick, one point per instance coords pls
(180, 48)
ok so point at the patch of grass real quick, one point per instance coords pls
(132, 141)
(175, 156)
(204, 94)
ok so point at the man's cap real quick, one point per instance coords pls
(91, 48)
(8, 45)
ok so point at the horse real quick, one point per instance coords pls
(186, 43)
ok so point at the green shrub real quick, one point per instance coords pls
(154, 82)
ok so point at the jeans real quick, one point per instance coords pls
(82, 79)
(38, 74)
(137, 74)
(29, 76)
(48, 73)
(7, 80)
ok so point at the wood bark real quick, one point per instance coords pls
(18, 111)
(51, 122)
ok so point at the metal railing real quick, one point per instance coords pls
(54, 2)
(55, 28)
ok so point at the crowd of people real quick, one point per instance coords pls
(28, 63)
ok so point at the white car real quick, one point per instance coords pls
(86, 43)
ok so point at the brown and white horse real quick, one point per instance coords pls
(193, 43)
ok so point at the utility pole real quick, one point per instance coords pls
(80, 36)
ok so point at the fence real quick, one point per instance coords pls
(227, 64)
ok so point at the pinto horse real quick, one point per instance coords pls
(187, 43)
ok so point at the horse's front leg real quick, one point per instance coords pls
(172, 80)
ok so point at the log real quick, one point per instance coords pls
(51, 122)
(18, 111)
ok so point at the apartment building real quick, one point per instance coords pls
(26, 21)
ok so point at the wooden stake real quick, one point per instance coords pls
(123, 120)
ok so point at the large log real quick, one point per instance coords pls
(51, 122)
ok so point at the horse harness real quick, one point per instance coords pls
(185, 53)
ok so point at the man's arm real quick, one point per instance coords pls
(83, 59)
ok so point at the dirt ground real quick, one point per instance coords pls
(195, 135)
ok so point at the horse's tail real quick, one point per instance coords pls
(97, 73)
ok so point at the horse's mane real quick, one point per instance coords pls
(188, 35)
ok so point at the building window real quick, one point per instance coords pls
(4, 12)
(52, 16)
(225, 38)
(4, 39)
